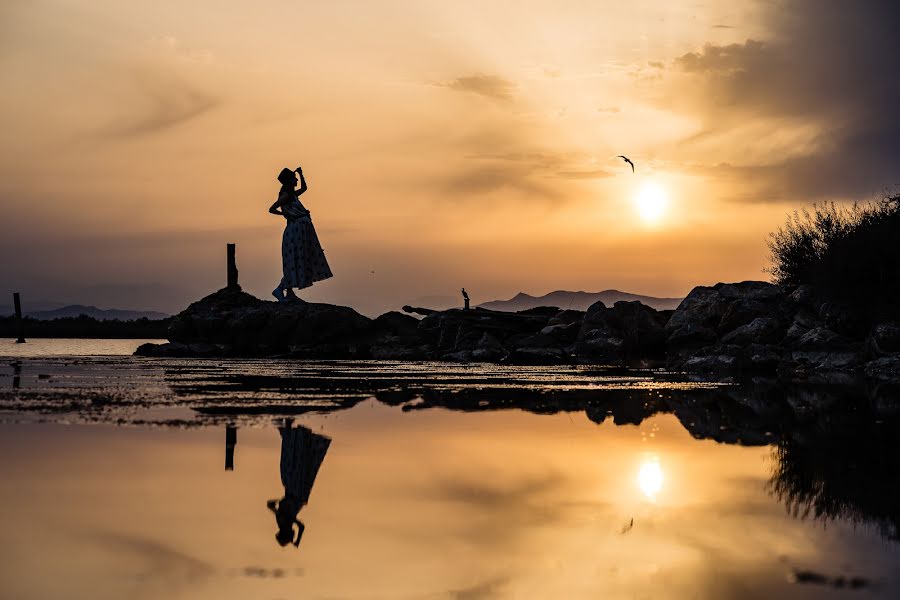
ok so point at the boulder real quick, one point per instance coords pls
(885, 338)
(629, 331)
(537, 357)
(886, 367)
(396, 324)
(233, 323)
(761, 330)
(720, 309)
(489, 349)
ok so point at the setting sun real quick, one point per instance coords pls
(651, 202)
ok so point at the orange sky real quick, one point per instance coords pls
(445, 144)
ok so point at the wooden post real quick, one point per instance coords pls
(232, 269)
(230, 443)
(19, 320)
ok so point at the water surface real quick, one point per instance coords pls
(151, 478)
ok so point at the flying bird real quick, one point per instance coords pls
(626, 159)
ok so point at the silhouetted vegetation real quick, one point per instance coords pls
(86, 327)
(851, 254)
(844, 468)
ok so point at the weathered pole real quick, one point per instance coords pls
(232, 269)
(230, 443)
(19, 321)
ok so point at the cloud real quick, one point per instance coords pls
(166, 101)
(489, 86)
(826, 64)
(487, 178)
(484, 590)
(594, 174)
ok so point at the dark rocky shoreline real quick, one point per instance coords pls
(748, 328)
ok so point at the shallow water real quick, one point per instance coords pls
(70, 347)
(440, 481)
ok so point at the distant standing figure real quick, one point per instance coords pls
(302, 258)
(302, 453)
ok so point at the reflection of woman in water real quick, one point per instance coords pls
(302, 453)
(302, 259)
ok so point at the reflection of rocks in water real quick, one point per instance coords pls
(843, 464)
(838, 581)
(302, 453)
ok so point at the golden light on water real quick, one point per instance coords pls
(650, 478)
(651, 202)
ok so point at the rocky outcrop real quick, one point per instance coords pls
(628, 333)
(757, 327)
(233, 323)
(735, 328)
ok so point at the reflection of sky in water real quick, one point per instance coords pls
(428, 504)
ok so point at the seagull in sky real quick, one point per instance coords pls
(626, 159)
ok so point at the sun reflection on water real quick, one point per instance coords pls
(650, 478)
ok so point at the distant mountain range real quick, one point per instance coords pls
(76, 310)
(577, 300)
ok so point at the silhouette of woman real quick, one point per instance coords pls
(302, 453)
(302, 259)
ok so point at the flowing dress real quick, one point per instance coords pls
(302, 258)
(302, 453)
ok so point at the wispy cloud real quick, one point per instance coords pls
(489, 86)
(166, 101)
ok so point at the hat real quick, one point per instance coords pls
(287, 176)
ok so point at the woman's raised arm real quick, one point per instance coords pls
(302, 182)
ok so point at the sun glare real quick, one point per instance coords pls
(650, 478)
(651, 202)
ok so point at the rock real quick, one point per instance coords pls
(821, 339)
(396, 324)
(702, 307)
(846, 361)
(247, 326)
(708, 312)
(459, 356)
(761, 330)
(885, 338)
(536, 356)
(629, 331)
(804, 296)
(763, 357)
(886, 367)
(489, 349)
(601, 349)
(690, 335)
(565, 317)
(564, 332)
(179, 350)
(712, 363)
(842, 320)
(739, 314)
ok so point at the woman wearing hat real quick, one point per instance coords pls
(302, 258)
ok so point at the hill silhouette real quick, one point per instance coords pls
(77, 310)
(577, 300)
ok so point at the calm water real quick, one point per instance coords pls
(148, 478)
(70, 347)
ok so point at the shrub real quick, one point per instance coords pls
(849, 253)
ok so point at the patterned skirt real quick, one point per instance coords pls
(302, 257)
